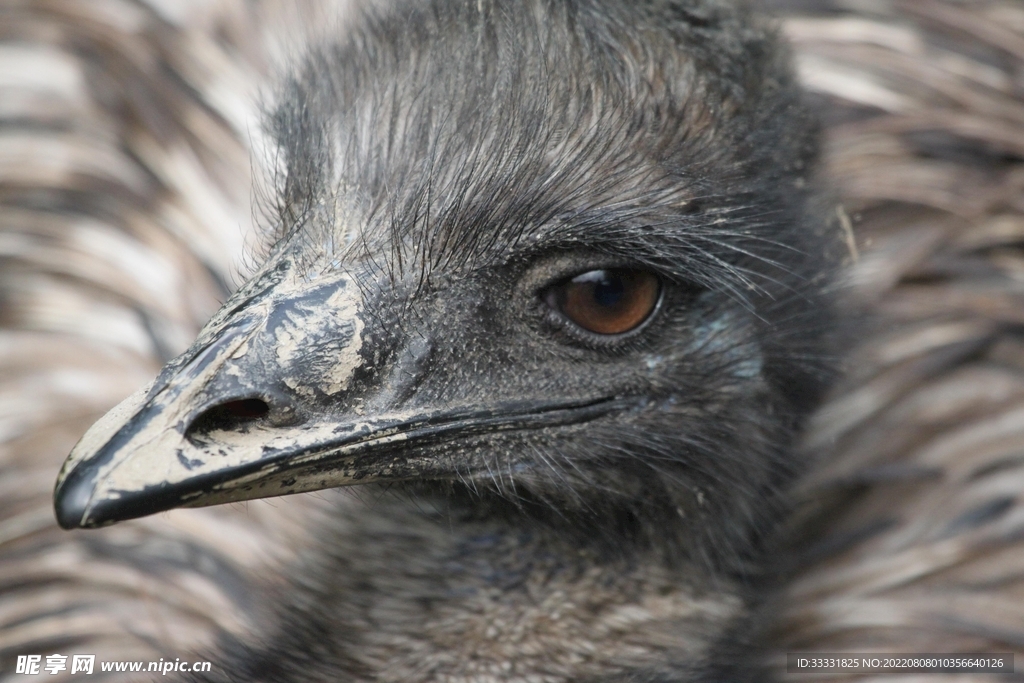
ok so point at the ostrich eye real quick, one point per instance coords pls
(608, 302)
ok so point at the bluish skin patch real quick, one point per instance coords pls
(728, 337)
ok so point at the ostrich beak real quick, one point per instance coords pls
(224, 421)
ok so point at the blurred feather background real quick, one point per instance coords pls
(129, 145)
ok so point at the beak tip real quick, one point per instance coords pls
(80, 502)
(71, 502)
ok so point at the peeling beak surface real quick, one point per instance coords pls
(192, 437)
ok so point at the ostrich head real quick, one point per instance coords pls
(552, 260)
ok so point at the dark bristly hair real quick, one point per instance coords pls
(438, 140)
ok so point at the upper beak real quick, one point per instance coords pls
(261, 406)
(224, 421)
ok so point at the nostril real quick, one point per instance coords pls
(229, 415)
(246, 408)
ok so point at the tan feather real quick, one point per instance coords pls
(912, 520)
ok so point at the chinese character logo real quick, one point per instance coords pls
(28, 664)
(55, 663)
(82, 663)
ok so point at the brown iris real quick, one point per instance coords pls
(610, 301)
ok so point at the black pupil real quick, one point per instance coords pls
(608, 289)
(609, 293)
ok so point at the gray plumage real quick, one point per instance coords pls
(964, 530)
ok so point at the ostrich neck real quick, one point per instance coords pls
(407, 590)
